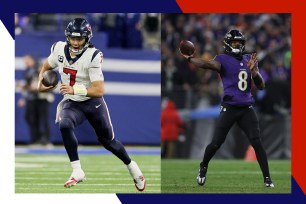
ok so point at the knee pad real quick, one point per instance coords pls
(66, 123)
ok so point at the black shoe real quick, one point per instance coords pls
(268, 183)
(201, 178)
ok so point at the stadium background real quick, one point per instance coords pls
(196, 93)
(131, 47)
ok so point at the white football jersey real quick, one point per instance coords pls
(83, 69)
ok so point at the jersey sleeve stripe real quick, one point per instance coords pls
(95, 54)
(53, 46)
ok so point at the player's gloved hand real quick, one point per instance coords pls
(43, 88)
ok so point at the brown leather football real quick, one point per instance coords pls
(50, 78)
(187, 47)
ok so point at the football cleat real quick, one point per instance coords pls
(201, 178)
(268, 183)
(139, 180)
(76, 177)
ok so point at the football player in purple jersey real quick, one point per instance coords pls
(80, 66)
(237, 71)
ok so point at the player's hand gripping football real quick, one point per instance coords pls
(253, 64)
(41, 87)
(186, 56)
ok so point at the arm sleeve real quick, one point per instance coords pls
(95, 68)
(52, 59)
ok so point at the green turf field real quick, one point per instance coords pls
(46, 173)
(230, 176)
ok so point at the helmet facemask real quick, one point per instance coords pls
(79, 50)
(237, 50)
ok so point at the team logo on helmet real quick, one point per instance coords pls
(89, 28)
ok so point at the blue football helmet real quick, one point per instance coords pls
(234, 35)
(79, 27)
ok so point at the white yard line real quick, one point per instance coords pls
(26, 165)
(109, 190)
(99, 179)
(88, 173)
(83, 184)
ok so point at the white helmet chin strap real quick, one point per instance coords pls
(234, 50)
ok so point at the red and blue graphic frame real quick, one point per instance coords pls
(295, 7)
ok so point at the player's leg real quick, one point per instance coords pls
(250, 125)
(70, 117)
(32, 121)
(223, 125)
(43, 110)
(98, 116)
(99, 119)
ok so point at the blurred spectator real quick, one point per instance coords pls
(276, 98)
(133, 38)
(171, 127)
(36, 104)
(22, 23)
(151, 31)
(113, 25)
(123, 29)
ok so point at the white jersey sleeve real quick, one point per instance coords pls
(52, 59)
(95, 67)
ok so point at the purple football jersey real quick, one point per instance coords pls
(236, 79)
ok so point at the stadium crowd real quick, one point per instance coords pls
(124, 30)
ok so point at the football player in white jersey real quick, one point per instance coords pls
(79, 65)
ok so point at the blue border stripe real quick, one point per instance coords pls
(8, 8)
(297, 196)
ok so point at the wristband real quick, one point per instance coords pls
(257, 80)
(79, 90)
(189, 59)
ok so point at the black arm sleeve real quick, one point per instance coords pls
(258, 80)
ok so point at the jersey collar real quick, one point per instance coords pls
(237, 56)
(68, 56)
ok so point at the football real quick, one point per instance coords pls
(187, 47)
(50, 78)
